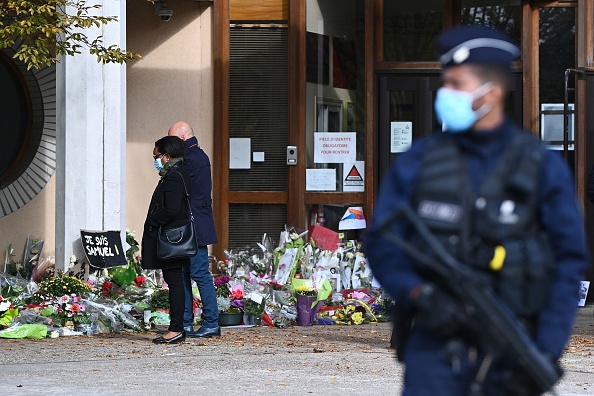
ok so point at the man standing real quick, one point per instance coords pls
(198, 166)
(498, 202)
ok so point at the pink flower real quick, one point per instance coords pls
(64, 299)
(75, 298)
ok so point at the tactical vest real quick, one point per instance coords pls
(503, 213)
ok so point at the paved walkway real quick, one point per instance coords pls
(333, 360)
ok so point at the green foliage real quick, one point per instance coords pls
(47, 31)
(132, 253)
(252, 308)
(60, 286)
(159, 299)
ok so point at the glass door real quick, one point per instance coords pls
(405, 107)
(335, 112)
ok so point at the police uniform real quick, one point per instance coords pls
(481, 191)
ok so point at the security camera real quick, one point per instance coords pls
(163, 11)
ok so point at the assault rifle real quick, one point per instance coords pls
(501, 333)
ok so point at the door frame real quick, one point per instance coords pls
(296, 198)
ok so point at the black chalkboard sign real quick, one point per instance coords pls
(103, 248)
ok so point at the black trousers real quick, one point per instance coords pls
(177, 298)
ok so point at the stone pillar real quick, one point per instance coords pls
(91, 141)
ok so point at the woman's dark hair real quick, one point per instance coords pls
(171, 145)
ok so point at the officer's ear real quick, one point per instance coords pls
(498, 92)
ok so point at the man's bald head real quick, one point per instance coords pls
(182, 130)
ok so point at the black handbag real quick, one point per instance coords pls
(180, 242)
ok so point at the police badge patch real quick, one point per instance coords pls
(440, 211)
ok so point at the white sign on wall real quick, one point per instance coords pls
(335, 147)
(400, 136)
(239, 153)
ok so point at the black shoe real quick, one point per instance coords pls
(206, 332)
(181, 337)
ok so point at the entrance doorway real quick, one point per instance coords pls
(405, 110)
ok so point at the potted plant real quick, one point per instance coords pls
(229, 301)
(254, 308)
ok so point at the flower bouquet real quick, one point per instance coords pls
(7, 312)
(307, 304)
(65, 311)
(354, 313)
(60, 286)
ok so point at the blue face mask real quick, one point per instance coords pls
(158, 164)
(454, 108)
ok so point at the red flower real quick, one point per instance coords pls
(236, 294)
(139, 280)
(106, 286)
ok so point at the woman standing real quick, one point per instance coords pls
(168, 209)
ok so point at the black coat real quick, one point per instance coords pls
(168, 208)
(198, 166)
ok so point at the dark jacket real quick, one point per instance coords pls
(559, 218)
(168, 208)
(198, 166)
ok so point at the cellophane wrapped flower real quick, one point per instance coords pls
(65, 308)
(7, 312)
(355, 313)
(306, 290)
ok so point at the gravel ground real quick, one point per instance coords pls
(334, 360)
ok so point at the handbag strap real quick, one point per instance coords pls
(187, 195)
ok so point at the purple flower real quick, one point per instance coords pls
(238, 304)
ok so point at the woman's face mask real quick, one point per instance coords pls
(158, 164)
(454, 107)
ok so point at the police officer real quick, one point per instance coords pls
(499, 202)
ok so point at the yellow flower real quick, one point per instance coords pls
(357, 318)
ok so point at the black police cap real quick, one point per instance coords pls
(476, 44)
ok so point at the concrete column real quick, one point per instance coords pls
(91, 142)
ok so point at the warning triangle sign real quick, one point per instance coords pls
(354, 175)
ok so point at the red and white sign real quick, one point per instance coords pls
(335, 147)
(353, 179)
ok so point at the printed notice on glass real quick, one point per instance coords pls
(352, 176)
(335, 147)
(400, 136)
(240, 153)
(320, 179)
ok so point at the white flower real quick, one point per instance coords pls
(4, 305)
(223, 303)
(294, 236)
(73, 259)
